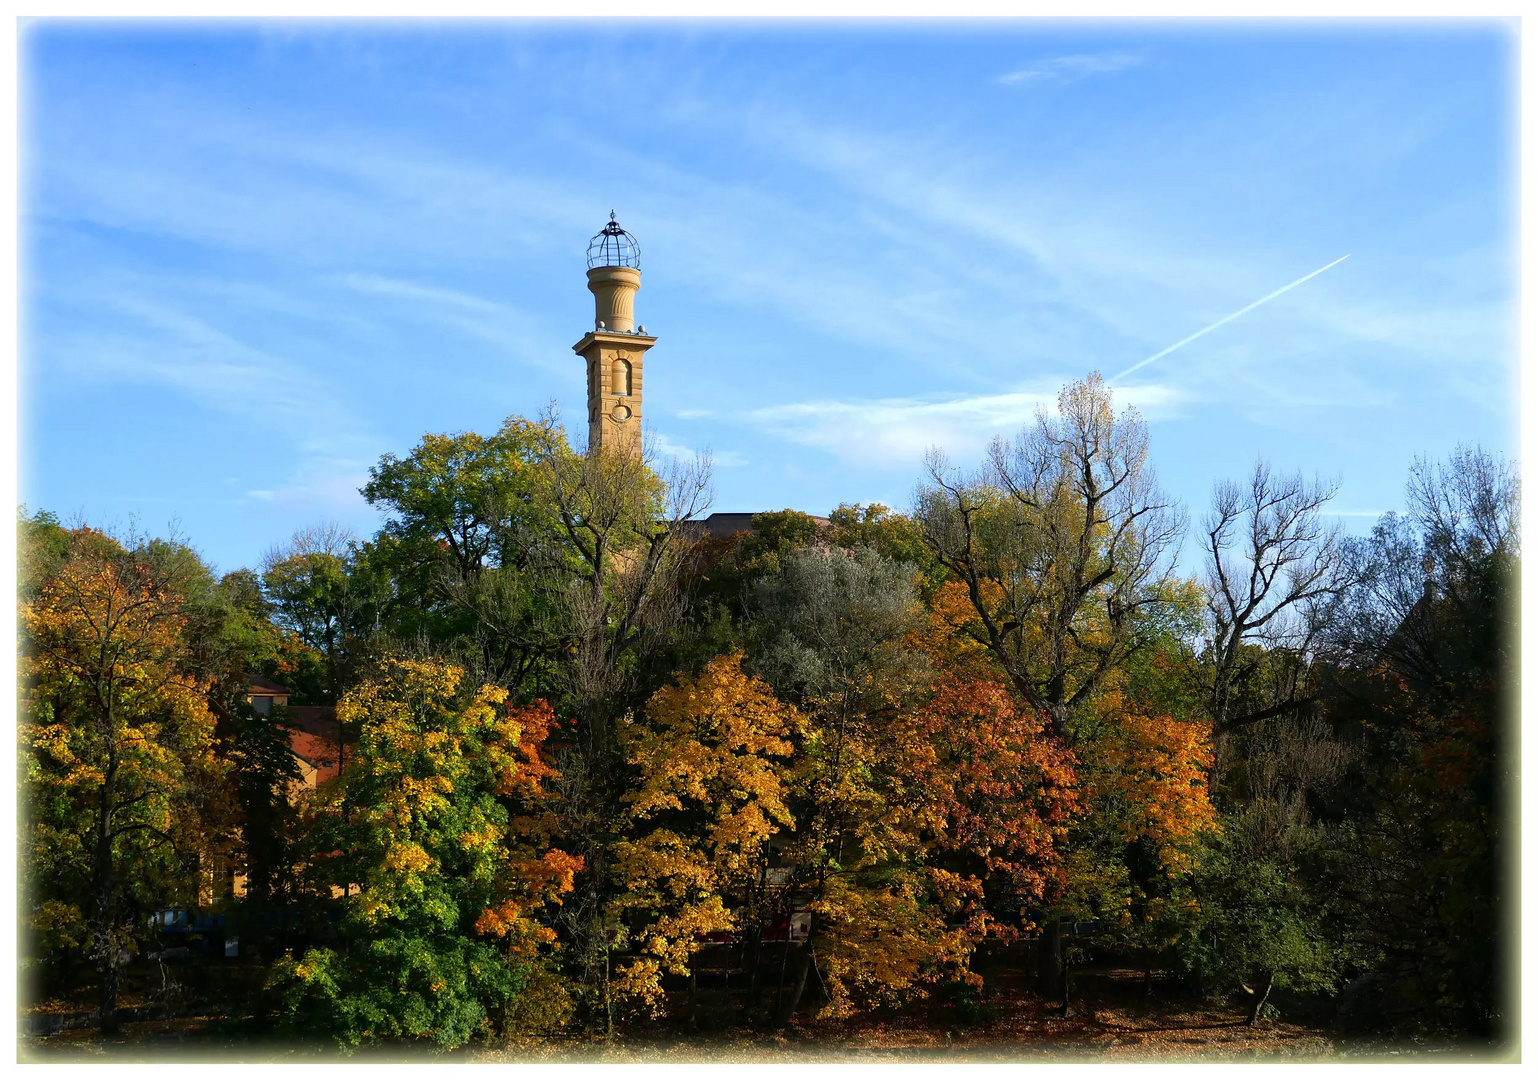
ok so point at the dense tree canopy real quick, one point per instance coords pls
(602, 769)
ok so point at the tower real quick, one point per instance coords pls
(615, 346)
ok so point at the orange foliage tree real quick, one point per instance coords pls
(959, 798)
(1146, 785)
(712, 755)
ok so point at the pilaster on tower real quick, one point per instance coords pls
(615, 347)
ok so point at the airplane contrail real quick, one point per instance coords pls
(1226, 318)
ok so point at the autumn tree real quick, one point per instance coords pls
(978, 780)
(443, 888)
(118, 744)
(1068, 525)
(621, 558)
(985, 797)
(831, 628)
(712, 755)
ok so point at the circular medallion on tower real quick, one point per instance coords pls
(621, 413)
(613, 246)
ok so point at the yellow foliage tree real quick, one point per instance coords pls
(711, 753)
(118, 748)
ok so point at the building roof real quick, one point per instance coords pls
(318, 720)
(315, 734)
(262, 684)
(721, 526)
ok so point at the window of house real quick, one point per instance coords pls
(262, 704)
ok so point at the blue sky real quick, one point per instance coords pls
(256, 257)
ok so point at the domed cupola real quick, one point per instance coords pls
(613, 246)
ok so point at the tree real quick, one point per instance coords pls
(1129, 857)
(469, 532)
(897, 536)
(315, 593)
(621, 562)
(987, 797)
(441, 920)
(119, 745)
(831, 628)
(1062, 539)
(712, 757)
(1274, 571)
(1261, 925)
(229, 635)
(1419, 855)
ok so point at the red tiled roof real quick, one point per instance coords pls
(315, 735)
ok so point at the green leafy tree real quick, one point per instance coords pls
(880, 528)
(461, 559)
(1261, 925)
(316, 591)
(443, 886)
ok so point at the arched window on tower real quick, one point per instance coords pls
(619, 378)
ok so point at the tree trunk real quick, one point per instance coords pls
(779, 994)
(755, 967)
(1067, 981)
(105, 927)
(804, 966)
(694, 994)
(1049, 960)
(608, 1001)
(1258, 997)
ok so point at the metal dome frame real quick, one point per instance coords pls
(613, 246)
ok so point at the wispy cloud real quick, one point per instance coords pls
(897, 431)
(1066, 69)
(320, 486)
(500, 324)
(217, 370)
(189, 354)
(725, 459)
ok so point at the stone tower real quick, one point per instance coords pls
(615, 346)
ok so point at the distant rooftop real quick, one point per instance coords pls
(260, 683)
(721, 526)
